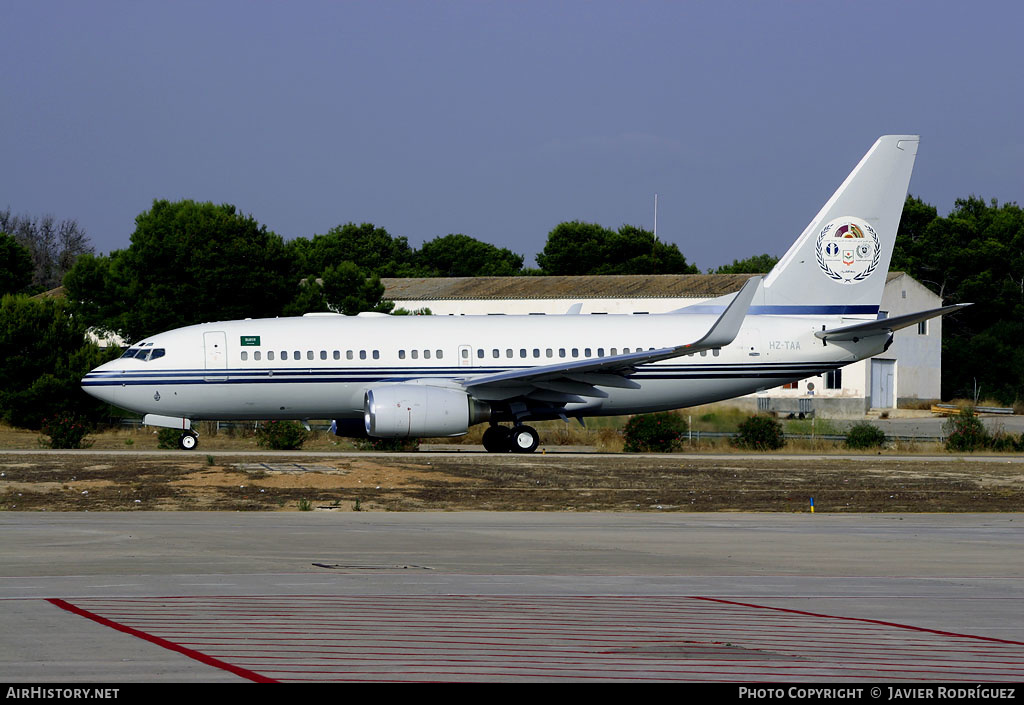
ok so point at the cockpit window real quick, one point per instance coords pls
(144, 354)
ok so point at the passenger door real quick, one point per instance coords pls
(215, 344)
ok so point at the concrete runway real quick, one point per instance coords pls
(322, 596)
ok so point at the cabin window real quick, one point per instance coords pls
(270, 354)
(298, 355)
(548, 352)
(245, 355)
(401, 354)
(600, 352)
(703, 353)
(480, 352)
(362, 354)
(131, 352)
(337, 354)
(716, 351)
(309, 354)
(575, 352)
(508, 352)
(415, 354)
(495, 353)
(256, 355)
(376, 354)
(159, 352)
(625, 351)
(284, 354)
(561, 352)
(426, 354)
(586, 352)
(613, 351)
(323, 354)
(465, 354)
(348, 354)
(536, 352)
(522, 352)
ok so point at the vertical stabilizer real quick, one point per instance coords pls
(839, 263)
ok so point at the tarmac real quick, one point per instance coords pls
(505, 597)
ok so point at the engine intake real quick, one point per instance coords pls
(419, 411)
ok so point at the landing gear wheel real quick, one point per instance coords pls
(188, 441)
(524, 439)
(496, 439)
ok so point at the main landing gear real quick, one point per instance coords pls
(188, 440)
(518, 439)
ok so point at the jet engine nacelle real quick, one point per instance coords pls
(419, 411)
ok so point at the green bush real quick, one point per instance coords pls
(965, 432)
(864, 435)
(654, 433)
(281, 435)
(398, 445)
(64, 431)
(167, 438)
(760, 433)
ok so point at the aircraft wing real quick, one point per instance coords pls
(572, 381)
(884, 325)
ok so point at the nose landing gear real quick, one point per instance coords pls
(188, 440)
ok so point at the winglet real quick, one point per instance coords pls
(725, 329)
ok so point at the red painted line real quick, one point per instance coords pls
(202, 658)
(861, 619)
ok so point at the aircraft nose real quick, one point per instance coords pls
(101, 385)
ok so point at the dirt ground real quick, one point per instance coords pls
(73, 481)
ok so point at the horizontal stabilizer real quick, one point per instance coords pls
(884, 325)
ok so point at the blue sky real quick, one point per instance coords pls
(501, 119)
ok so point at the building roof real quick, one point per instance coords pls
(618, 286)
(611, 286)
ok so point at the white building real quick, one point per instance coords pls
(910, 370)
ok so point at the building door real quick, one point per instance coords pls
(883, 384)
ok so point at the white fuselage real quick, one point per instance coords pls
(321, 366)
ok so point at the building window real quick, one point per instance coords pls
(791, 385)
(834, 379)
(922, 328)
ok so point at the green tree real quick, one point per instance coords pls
(758, 264)
(188, 262)
(577, 248)
(373, 250)
(973, 255)
(342, 289)
(15, 266)
(460, 255)
(43, 357)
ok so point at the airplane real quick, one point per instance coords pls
(384, 376)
